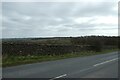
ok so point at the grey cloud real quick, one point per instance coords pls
(51, 19)
(61, 9)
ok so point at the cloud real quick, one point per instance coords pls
(31, 19)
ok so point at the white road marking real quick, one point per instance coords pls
(86, 68)
(105, 62)
(59, 77)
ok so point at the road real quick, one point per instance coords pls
(96, 66)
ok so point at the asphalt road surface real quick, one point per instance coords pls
(96, 66)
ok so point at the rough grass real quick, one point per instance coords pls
(18, 60)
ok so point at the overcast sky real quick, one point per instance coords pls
(54, 19)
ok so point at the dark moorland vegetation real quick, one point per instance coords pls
(25, 49)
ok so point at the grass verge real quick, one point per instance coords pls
(18, 60)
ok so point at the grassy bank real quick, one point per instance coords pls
(18, 60)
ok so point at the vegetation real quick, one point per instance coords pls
(18, 60)
(29, 50)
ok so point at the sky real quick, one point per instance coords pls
(59, 19)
